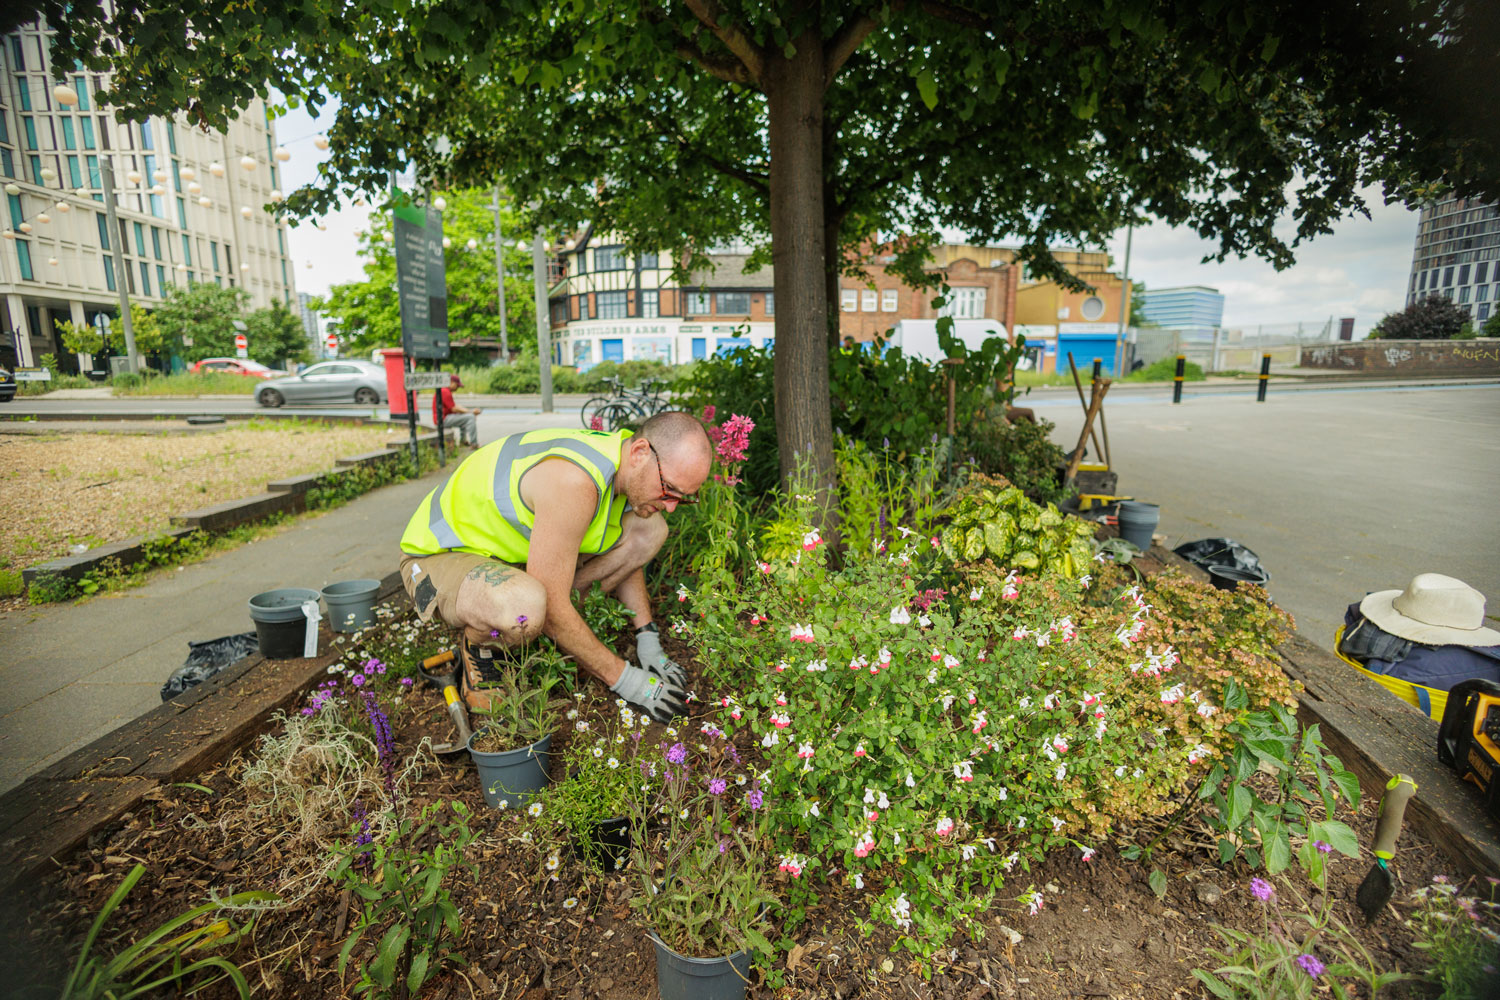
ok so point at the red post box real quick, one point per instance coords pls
(395, 379)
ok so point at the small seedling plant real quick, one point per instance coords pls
(521, 711)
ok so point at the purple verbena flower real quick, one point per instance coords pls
(406, 682)
(1323, 847)
(756, 798)
(1262, 889)
(521, 619)
(1310, 965)
(716, 786)
(385, 741)
(676, 753)
(364, 837)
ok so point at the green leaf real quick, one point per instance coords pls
(418, 974)
(1158, 882)
(1216, 985)
(1348, 786)
(1240, 802)
(757, 941)
(1338, 836)
(1278, 852)
(927, 88)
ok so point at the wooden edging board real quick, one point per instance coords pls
(48, 816)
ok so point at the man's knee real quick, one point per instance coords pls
(499, 599)
(648, 540)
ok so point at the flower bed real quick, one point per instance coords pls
(943, 779)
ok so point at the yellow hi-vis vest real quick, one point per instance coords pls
(480, 510)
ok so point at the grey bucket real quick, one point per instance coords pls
(511, 774)
(351, 604)
(1138, 521)
(681, 977)
(280, 625)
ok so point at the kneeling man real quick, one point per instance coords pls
(496, 550)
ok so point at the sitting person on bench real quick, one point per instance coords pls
(1432, 633)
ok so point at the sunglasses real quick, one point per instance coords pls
(666, 492)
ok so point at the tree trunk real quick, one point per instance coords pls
(794, 100)
(832, 225)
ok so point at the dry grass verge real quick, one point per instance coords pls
(90, 489)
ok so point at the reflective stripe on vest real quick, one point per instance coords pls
(479, 509)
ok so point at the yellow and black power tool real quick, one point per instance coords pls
(1469, 737)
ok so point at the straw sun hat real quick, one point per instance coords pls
(1434, 610)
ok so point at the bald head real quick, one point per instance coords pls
(681, 436)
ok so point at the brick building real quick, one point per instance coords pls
(980, 288)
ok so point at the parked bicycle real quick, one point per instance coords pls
(624, 406)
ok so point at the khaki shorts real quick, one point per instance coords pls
(432, 582)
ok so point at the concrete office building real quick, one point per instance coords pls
(191, 205)
(1457, 255)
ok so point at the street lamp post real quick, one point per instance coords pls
(543, 318)
(500, 279)
(108, 176)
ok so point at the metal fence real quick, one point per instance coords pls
(1231, 348)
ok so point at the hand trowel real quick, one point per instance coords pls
(1375, 891)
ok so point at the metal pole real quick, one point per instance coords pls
(1126, 290)
(108, 176)
(408, 363)
(543, 317)
(500, 280)
(1265, 376)
(1177, 379)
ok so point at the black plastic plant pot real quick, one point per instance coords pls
(608, 841)
(1230, 577)
(280, 624)
(511, 776)
(682, 977)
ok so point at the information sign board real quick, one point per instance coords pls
(427, 380)
(421, 281)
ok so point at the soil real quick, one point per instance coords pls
(532, 934)
(91, 489)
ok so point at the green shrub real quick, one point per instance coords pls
(1019, 450)
(1165, 370)
(524, 375)
(11, 583)
(126, 380)
(51, 588)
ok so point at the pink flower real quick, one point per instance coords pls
(781, 665)
(872, 815)
(805, 751)
(708, 413)
(781, 698)
(859, 750)
(865, 845)
(811, 540)
(792, 864)
(1088, 854)
(1020, 633)
(781, 720)
(944, 827)
(803, 633)
(596, 423)
(765, 567)
(963, 771)
(981, 720)
(734, 439)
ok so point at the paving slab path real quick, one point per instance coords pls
(71, 673)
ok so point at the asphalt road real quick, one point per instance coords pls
(1339, 490)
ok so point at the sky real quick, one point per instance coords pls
(1358, 270)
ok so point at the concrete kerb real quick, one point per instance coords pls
(284, 496)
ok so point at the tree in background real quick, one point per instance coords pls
(1432, 318)
(820, 124)
(276, 336)
(367, 311)
(198, 321)
(1491, 327)
(1132, 316)
(85, 339)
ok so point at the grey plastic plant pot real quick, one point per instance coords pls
(280, 626)
(511, 775)
(1230, 577)
(351, 604)
(1138, 521)
(681, 977)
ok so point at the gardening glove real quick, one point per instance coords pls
(651, 656)
(660, 699)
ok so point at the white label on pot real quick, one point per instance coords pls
(310, 637)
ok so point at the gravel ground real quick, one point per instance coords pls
(68, 489)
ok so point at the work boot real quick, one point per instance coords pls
(481, 668)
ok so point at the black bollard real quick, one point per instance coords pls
(1177, 379)
(1265, 376)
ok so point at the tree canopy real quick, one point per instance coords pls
(819, 125)
(1430, 318)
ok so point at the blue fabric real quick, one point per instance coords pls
(1438, 667)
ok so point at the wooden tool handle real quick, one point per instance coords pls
(437, 660)
(1398, 791)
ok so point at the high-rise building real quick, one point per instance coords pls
(191, 205)
(1457, 255)
(310, 321)
(1194, 310)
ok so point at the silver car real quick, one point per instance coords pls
(327, 382)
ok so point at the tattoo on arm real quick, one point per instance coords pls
(493, 574)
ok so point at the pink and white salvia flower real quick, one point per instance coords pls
(872, 814)
(981, 720)
(935, 655)
(1172, 695)
(934, 541)
(947, 700)
(757, 619)
(1057, 824)
(1085, 580)
(1020, 633)
(682, 593)
(792, 864)
(803, 633)
(950, 661)
(1089, 700)
(1088, 854)
(1199, 752)
(905, 531)
(1122, 634)
(781, 666)
(923, 621)
(1099, 726)
(1004, 795)
(811, 540)
(817, 666)
(1206, 710)
(865, 845)
(805, 751)
(771, 738)
(1051, 700)
(982, 656)
(781, 720)
(1062, 772)
(976, 593)
(858, 663)
(1060, 744)
(764, 567)
(968, 851)
(1034, 900)
(1010, 859)
(963, 771)
(932, 676)
(944, 826)
(973, 697)
(781, 698)
(900, 616)
(1043, 639)
(859, 750)
(884, 659)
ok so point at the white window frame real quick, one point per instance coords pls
(965, 302)
(889, 300)
(869, 300)
(698, 303)
(650, 305)
(849, 300)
